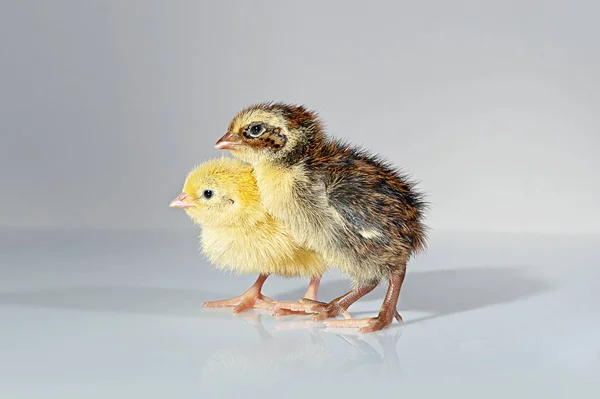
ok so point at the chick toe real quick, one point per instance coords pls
(251, 298)
(369, 324)
(248, 303)
(365, 325)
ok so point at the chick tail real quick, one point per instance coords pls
(416, 233)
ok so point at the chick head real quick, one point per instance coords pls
(220, 192)
(270, 132)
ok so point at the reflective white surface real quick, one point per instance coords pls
(97, 314)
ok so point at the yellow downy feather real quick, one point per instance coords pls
(237, 232)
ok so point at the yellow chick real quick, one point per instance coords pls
(237, 233)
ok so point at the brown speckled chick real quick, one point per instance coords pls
(357, 211)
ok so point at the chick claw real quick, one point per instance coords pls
(242, 303)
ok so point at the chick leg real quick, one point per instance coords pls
(338, 306)
(313, 287)
(284, 308)
(252, 298)
(387, 313)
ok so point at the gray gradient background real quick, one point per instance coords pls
(106, 105)
(492, 106)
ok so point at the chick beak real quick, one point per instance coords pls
(227, 142)
(178, 202)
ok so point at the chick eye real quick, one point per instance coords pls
(256, 130)
(207, 194)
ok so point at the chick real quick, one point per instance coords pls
(351, 207)
(239, 235)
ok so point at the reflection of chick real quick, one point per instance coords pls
(239, 235)
(351, 207)
(274, 360)
(256, 367)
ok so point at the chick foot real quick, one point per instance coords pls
(338, 306)
(282, 308)
(242, 303)
(366, 325)
(304, 306)
(331, 311)
(387, 313)
(252, 298)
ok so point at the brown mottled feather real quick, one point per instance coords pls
(380, 209)
(353, 208)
